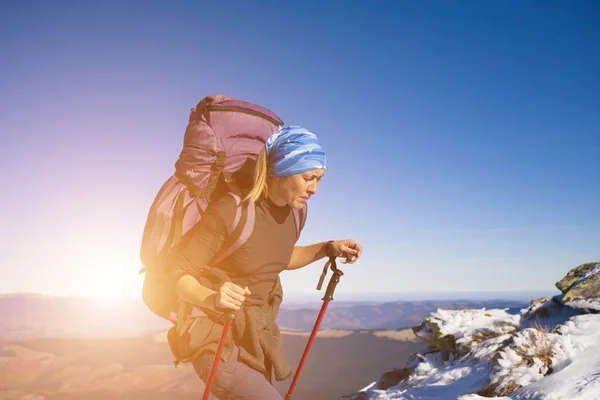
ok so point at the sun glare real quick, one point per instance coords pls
(105, 274)
(105, 292)
(104, 289)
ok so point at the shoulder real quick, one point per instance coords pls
(224, 209)
(227, 202)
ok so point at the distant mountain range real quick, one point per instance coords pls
(389, 315)
(25, 316)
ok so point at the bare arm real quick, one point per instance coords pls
(304, 255)
(228, 296)
(190, 259)
(191, 291)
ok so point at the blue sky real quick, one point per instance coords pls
(462, 137)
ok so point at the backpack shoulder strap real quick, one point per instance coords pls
(299, 219)
(241, 229)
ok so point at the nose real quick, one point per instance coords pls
(312, 188)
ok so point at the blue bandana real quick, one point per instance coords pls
(293, 150)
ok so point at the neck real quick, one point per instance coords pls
(278, 201)
(274, 196)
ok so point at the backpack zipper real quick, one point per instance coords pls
(244, 110)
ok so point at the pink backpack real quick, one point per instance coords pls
(222, 141)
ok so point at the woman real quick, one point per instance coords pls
(287, 173)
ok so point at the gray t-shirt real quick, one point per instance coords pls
(257, 263)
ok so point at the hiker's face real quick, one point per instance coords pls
(296, 189)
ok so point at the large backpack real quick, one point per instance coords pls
(222, 141)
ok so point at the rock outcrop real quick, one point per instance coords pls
(581, 287)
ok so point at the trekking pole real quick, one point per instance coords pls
(335, 279)
(213, 371)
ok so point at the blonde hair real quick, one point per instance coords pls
(260, 189)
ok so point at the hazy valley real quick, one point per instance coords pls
(66, 348)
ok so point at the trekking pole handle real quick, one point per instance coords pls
(228, 315)
(335, 279)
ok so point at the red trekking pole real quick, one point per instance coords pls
(335, 279)
(211, 377)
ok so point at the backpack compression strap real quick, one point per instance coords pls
(240, 232)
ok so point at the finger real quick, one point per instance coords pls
(231, 303)
(231, 292)
(234, 301)
(247, 291)
(356, 248)
(359, 249)
(235, 288)
(236, 296)
(345, 250)
(350, 250)
(224, 303)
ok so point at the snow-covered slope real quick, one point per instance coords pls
(548, 351)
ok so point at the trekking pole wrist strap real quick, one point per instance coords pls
(335, 279)
(328, 249)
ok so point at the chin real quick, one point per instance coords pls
(299, 203)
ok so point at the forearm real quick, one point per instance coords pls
(304, 255)
(191, 291)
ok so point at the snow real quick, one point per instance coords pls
(495, 349)
(558, 315)
(592, 304)
(578, 380)
(587, 276)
